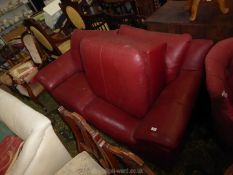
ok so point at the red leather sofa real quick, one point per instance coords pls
(219, 79)
(137, 86)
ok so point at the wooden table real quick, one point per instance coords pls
(210, 23)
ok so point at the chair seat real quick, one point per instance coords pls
(64, 47)
(82, 164)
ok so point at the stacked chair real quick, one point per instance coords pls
(81, 19)
(97, 18)
(21, 76)
(56, 43)
(113, 159)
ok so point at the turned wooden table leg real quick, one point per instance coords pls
(222, 5)
(194, 9)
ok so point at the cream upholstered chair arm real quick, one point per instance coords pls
(42, 152)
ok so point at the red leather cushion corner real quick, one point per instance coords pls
(177, 44)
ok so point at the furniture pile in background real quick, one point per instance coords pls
(139, 87)
(125, 96)
(20, 73)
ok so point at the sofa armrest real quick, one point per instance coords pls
(166, 122)
(57, 71)
(35, 156)
(196, 53)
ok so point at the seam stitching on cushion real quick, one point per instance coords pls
(102, 71)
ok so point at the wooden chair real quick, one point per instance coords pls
(38, 55)
(119, 7)
(122, 12)
(54, 42)
(21, 75)
(129, 19)
(137, 7)
(88, 20)
(114, 159)
(11, 53)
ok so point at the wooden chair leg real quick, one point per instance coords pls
(222, 5)
(33, 97)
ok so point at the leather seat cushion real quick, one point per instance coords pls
(111, 120)
(126, 72)
(154, 127)
(177, 44)
(74, 93)
(171, 106)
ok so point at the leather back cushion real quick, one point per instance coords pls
(126, 72)
(77, 36)
(177, 45)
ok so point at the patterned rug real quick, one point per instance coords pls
(201, 154)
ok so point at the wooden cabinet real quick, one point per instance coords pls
(211, 23)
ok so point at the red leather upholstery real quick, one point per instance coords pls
(219, 83)
(130, 78)
(77, 88)
(77, 36)
(54, 74)
(120, 125)
(176, 46)
(121, 87)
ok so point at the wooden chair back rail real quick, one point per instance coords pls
(41, 53)
(84, 141)
(112, 158)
